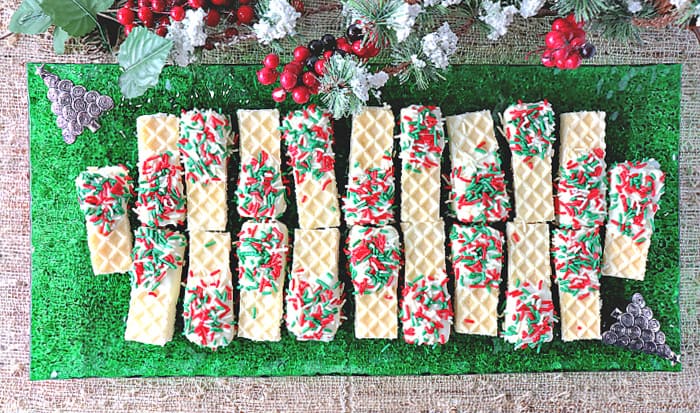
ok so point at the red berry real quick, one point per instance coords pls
(298, 5)
(301, 53)
(129, 3)
(162, 31)
(125, 16)
(341, 41)
(309, 79)
(301, 94)
(327, 54)
(243, 2)
(571, 19)
(577, 42)
(560, 53)
(547, 60)
(320, 66)
(357, 48)
(560, 63)
(231, 32)
(266, 76)
(371, 50)
(576, 34)
(220, 3)
(279, 95)
(271, 61)
(213, 18)
(144, 3)
(573, 61)
(560, 25)
(196, 4)
(158, 6)
(145, 14)
(177, 13)
(128, 28)
(554, 40)
(245, 14)
(293, 67)
(288, 80)
(164, 21)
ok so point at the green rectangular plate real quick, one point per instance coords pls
(78, 319)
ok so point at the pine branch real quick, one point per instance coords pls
(410, 64)
(585, 10)
(379, 16)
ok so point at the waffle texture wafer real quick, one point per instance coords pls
(260, 192)
(103, 194)
(371, 189)
(477, 260)
(529, 129)
(478, 187)
(308, 136)
(426, 306)
(262, 256)
(155, 285)
(425, 248)
(374, 259)
(315, 296)
(205, 141)
(259, 132)
(635, 191)
(577, 254)
(580, 200)
(528, 253)
(208, 302)
(422, 140)
(160, 193)
(157, 134)
(529, 313)
(426, 310)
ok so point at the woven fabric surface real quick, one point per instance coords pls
(513, 392)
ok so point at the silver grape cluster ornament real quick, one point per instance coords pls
(637, 329)
(75, 107)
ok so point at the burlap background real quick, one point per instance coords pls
(511, 392)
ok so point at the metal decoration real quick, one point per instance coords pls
(75, 107)
(637, 329)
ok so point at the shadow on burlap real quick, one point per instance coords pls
(615, 391)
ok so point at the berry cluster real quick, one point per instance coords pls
(301, 75)
(566, 44)
(637, 329)
(158, 14)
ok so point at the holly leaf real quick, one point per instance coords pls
(29, 19)
(76, 17)
(60, 37)
(142, 57)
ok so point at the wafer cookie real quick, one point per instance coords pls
(478, 187)
(308, 135)
(103, 195)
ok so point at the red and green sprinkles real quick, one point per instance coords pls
(309, 138)
(261, 256)
(103, 195)
(529, 316)
(155, 253)
(260, 192)
(529, 129)
(208, 310)
(314, 309)
(477, 256)
(160, 200)
(577, 255)
(635, 191)
(422, 137)
(370, 197)
(203, 144)
(374, 258)
(480, 196)
(426, 310)
(581, 187)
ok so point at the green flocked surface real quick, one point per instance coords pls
(78, 319)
